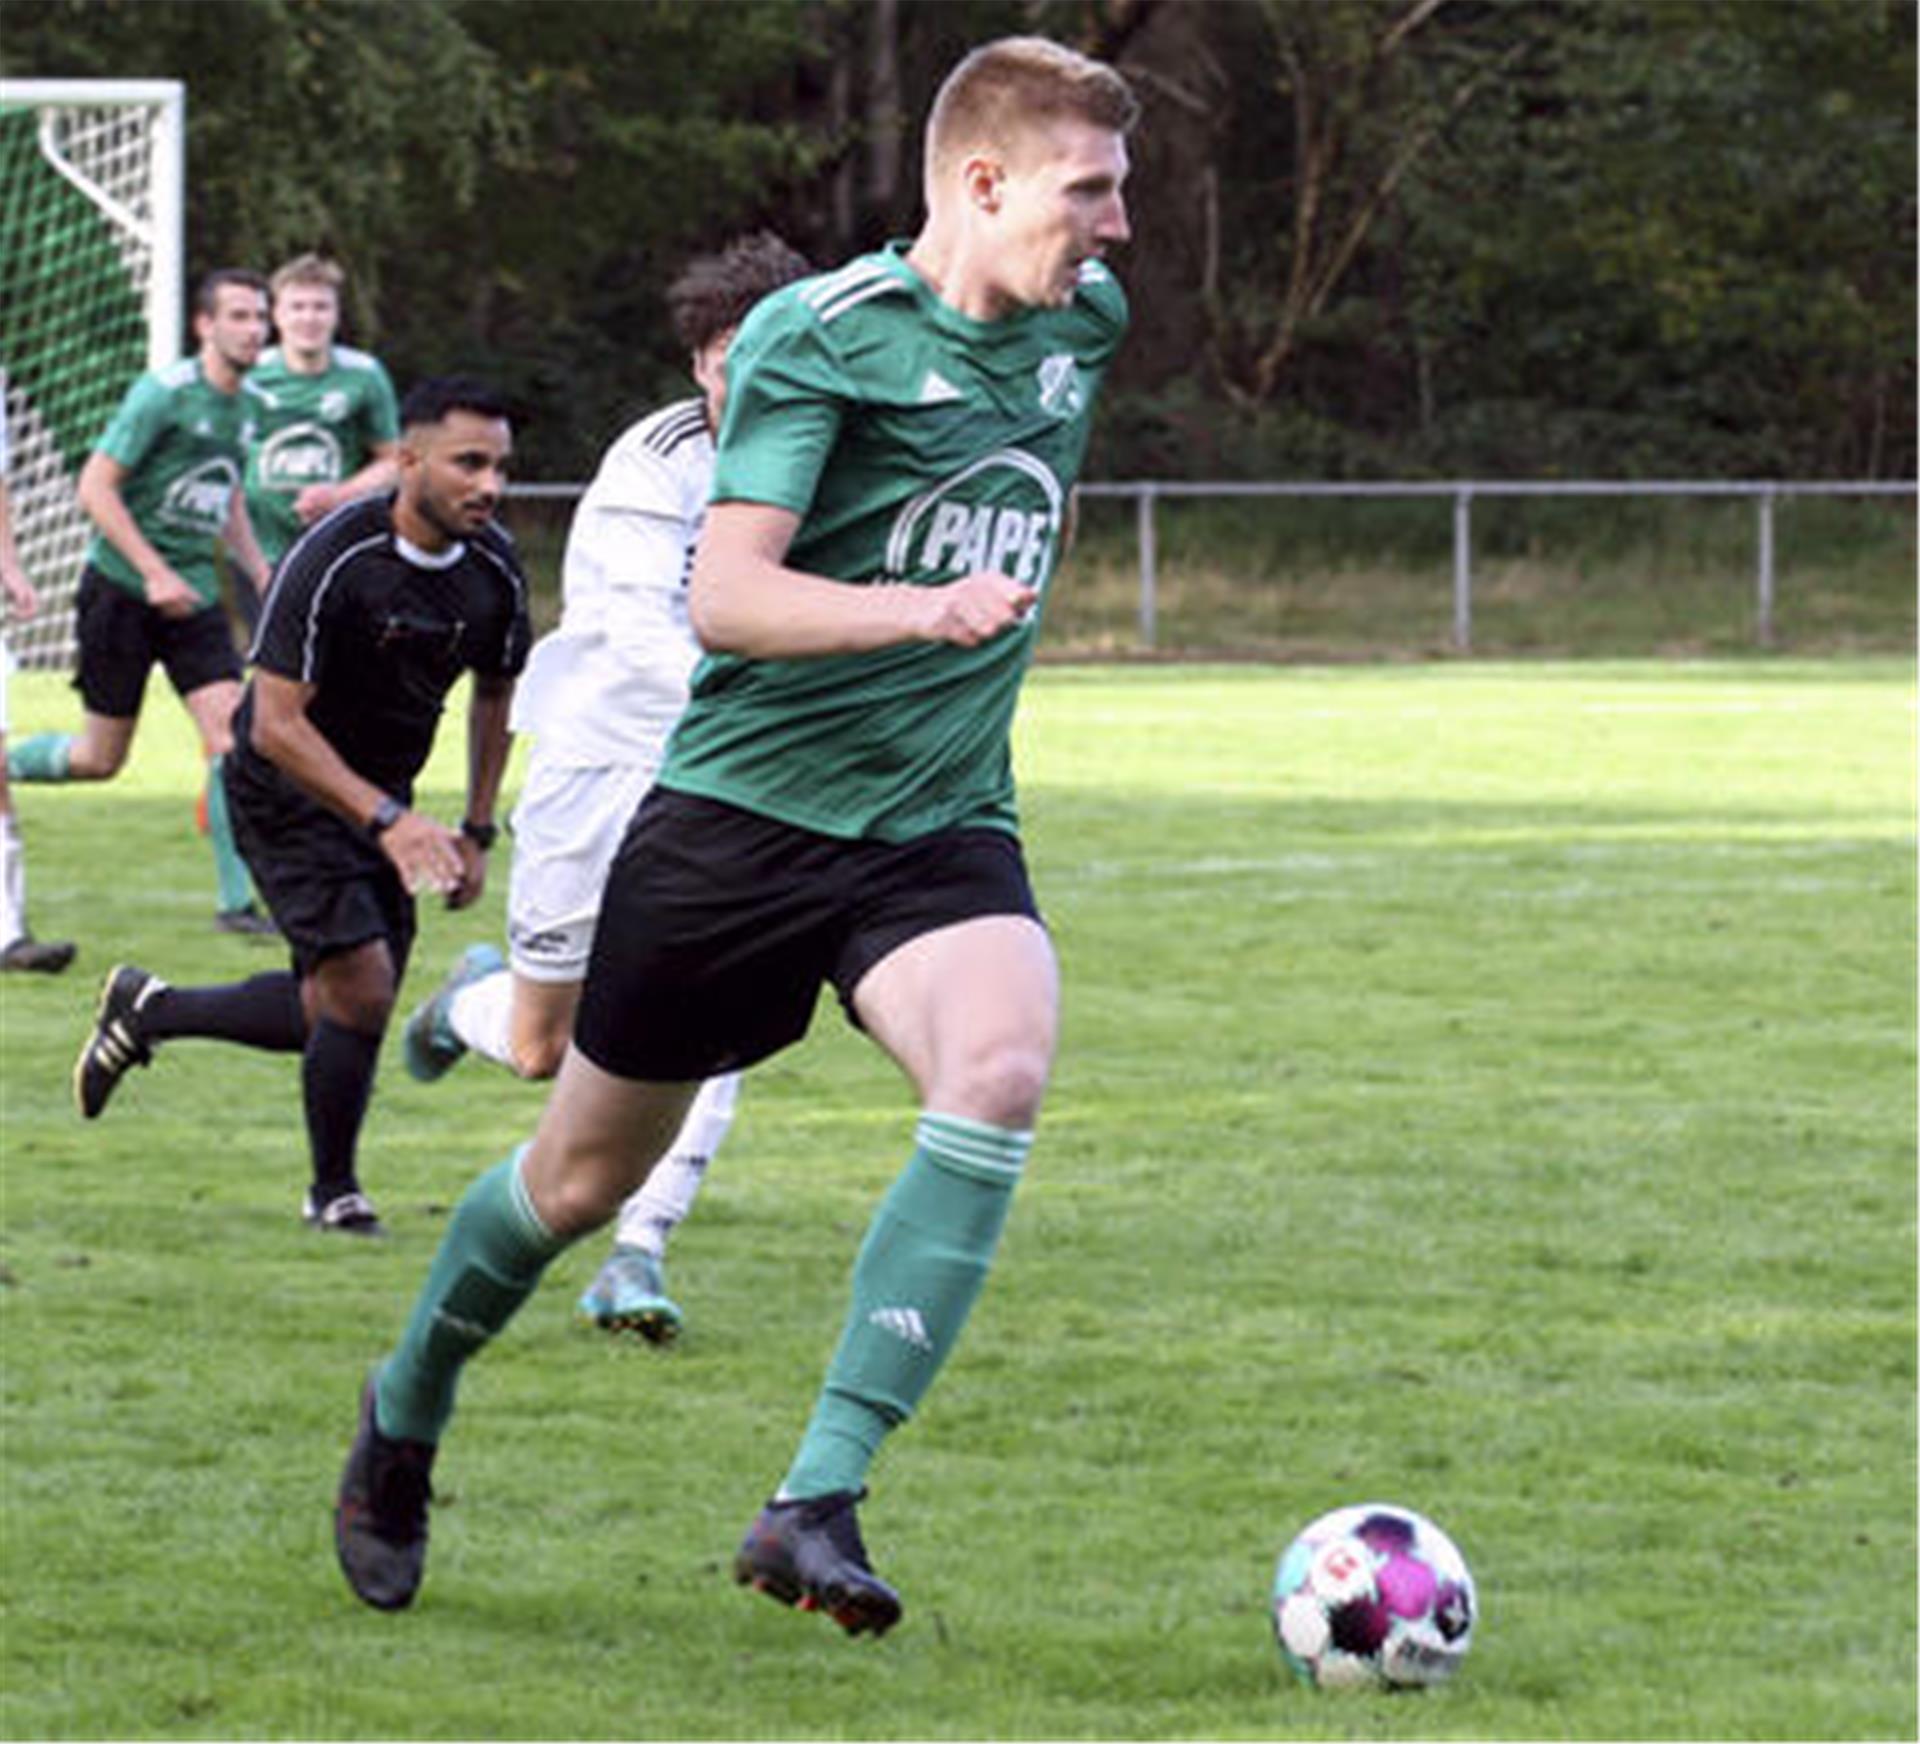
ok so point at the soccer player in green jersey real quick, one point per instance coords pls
(326, 425)
(161, 487)
(836, 807)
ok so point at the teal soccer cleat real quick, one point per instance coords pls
(428, 1043)
(630, 1295)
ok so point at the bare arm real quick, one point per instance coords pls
(380, 473)
(238, 536)
(426, 854)
(98, 493)
(745, 600)
(488, 742)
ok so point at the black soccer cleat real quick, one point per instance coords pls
(38, 956)
(380, 1516)
(808, 1554)
(117, 1041)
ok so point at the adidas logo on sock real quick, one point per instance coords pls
(903, 1323)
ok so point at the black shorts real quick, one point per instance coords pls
(121, 637)
(719, 927)
(325, 883)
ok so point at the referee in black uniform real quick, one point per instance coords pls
(372, 617)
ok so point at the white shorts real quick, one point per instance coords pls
(566, 828)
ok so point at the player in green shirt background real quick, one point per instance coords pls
(162, 488)
(326, 424)
(890, 501)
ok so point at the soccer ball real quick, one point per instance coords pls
(1374, 1597)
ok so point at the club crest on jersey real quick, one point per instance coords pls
(335, 404)
(198, 499)
(1001, 513)
(301, 454)
(1060, 389)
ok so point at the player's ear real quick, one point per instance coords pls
(983, 178)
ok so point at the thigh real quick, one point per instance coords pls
(212, 706)
(970, 1012)
(116, 636)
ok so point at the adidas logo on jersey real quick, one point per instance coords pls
(936, 390)
(903, 1323)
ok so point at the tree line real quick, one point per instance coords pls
(1373, 238)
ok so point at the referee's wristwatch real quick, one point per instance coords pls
(385, 815)
(482, 836)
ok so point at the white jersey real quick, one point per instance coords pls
(607, 685)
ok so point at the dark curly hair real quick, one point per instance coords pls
(714, 292)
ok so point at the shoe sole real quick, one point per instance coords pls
(859, 1613)
(658, 1326)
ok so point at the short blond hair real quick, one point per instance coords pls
(1004, 89)
(308, 269)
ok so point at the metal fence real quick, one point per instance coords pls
(1147, 493)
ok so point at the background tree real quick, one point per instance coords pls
(1374, 236)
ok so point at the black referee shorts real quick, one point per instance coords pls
(327, 887)
(121, 639)
(719, 927)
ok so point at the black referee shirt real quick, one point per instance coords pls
(383, 630)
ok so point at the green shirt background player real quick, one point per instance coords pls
(899, 443)
(326, 424)
(162, 488)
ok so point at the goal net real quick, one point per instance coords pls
(91, 185)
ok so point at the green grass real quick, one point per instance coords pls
(1490, 1089)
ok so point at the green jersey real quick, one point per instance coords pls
(917, 446)
(311, 429)
(184, 445)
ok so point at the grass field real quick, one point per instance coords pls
(1490, 1089)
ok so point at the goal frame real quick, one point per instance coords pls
(145, 210)
(165, 232)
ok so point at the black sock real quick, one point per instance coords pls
(336, 1082)
(263, 1012)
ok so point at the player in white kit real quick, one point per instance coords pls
(599, 698)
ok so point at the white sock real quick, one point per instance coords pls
(13, 883)
(481, 1015)
(651, 1214)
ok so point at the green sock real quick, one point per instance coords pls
(44, 757)
(236, 887)
(490, 1261)
(925, 1258)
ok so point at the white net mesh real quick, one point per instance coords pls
(77, 253)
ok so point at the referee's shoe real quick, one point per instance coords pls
(118, 1039)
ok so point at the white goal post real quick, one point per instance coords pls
(92, 222)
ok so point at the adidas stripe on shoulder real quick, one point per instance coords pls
(672, 425)
(858, 282)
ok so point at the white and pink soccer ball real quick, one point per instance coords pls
(1373, 1597)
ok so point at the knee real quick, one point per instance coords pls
(538, 1056)
(357, 998)
(1002, 1085)
(94, 762)
(575, 1192)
